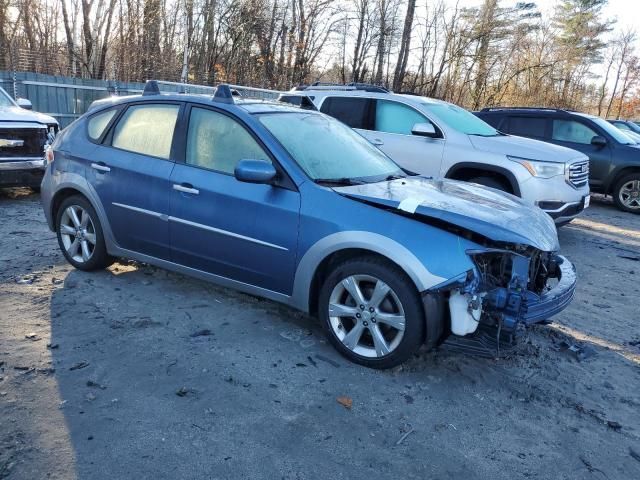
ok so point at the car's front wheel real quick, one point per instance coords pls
(626, 193)
(372, 312)
(80, 235)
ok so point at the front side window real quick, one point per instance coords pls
(147, 129)
(327, 149)
(394, 117)
(572, 131)
(528, 126)
(218, 142)
(354, 112)
(97, 123)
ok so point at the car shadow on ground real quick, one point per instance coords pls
(170, 374)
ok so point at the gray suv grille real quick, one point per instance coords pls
(579, 173)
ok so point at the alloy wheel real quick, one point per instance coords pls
(630, 194)
(366, 315)
(78, 233)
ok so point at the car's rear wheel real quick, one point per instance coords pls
(80, 235)
(626, 193)
(372, 312)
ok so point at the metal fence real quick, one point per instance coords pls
(66, 98)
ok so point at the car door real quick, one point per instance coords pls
(242, 231)
(578, 135)
(130, 171)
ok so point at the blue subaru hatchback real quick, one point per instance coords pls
(294, 206)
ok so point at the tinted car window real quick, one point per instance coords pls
(352, 111)
(571, 131)
(97, 123)
(528, 126)
(147, 129)
(218, 142)
(394, 117)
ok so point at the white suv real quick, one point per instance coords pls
(439, 139)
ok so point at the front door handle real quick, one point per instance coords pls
(377, 142)
(101, 167)
(186, 188)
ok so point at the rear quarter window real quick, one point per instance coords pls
(97, 124)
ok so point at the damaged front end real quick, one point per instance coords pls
(509, 287)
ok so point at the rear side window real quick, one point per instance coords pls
(97, 124)
(147, 129)
(355, 112)
(394, 117)
(572, 131)
(218, 142)
(528, 126)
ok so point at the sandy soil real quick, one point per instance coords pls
(102, 375)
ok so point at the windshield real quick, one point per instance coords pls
(615, 132)
(326, 149)
(460, 119)
(5, 99)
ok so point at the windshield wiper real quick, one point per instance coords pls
(338, 181)
(394, 177)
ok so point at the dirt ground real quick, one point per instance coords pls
(134, 372)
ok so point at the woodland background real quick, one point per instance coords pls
(496, 53)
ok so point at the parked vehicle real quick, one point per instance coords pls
(24, 136)
(626, 125)
(294, 206)
(439, 139)
(614, 157)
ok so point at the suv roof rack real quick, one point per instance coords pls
(367, 87)
(221, 94)
(546, 109)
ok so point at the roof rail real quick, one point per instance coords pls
(221, 94)
(367, 87)
(546, 109)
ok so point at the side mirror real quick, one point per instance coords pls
(598, 141)
(423, 130)
(254, 171)
(24, 103)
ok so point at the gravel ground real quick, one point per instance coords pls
(135, 372)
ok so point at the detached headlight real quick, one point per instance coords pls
(538, 168)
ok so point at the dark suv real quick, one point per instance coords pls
(614, 157)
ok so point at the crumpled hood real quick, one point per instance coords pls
(488, 212)
(17, 114)
(525, 148)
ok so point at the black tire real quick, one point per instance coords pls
(99, 258)
(491, 183)
(404, 290)
(616, 193)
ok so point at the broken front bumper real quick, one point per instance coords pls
(526, 307)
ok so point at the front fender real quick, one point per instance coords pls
(376, 243)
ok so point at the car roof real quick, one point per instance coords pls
(328, 92)
(534, 111)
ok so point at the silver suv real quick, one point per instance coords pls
(439, 139)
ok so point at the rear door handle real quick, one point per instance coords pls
(101, 167)
(186, 188)
(377, 142)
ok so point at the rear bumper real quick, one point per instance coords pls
(19, 172)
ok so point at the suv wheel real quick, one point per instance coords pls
(626, 193)
(80, 235)
(371, 312)
(491, 182)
